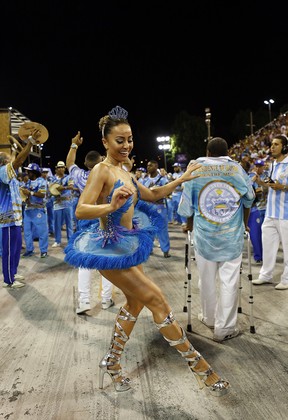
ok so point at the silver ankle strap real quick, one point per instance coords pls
(127, 317)
(167, 321)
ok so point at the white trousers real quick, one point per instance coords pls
(84, 286)
(274, 231)
(219, 304)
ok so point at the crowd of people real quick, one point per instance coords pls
(113, 214)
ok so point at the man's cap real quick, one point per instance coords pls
(33, 167)
(45, 170)
(177, 164)
(60, 164)
(259, 162)
(141, 169)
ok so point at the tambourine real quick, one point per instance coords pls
(27, 129)
(15, 143)
(53, 188)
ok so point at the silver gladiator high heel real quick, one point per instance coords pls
(111, 360)
(203, 373)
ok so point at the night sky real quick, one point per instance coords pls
(66, 66)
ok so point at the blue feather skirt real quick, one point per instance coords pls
(116, 247)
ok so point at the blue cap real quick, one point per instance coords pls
(177, 164)
(259, 162)
(33, 167)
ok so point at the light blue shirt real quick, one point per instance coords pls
(65, 199)
(277, 201)
(216, 200)
(10, 200)
(33, 202)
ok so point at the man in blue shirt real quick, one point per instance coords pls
(275, 225)
(11, 213)
(219, 202)
(154, 180)
(35, 213)
(62, 203)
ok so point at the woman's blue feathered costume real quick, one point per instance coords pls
(116, 247)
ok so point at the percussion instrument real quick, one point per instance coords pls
(15, 143)
(53, 188)
(27, 129)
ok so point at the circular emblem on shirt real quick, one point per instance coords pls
(218, 201)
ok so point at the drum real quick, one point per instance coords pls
(26, 130)
(53, 188)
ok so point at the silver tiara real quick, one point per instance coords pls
(118, 113)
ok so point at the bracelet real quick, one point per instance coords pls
(33, 141)
(74, 146)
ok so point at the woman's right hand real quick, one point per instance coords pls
(120, 196)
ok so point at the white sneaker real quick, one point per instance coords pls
(227, 337)
(15, 285)
(107, 304)
(260, 281)
(83, 307)
(56, 245)
(281, 286)
(18, 277)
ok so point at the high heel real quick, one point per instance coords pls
(111, 359)
(201, 370)
(207, 377)
(120, 386)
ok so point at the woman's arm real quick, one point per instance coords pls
(161, 192)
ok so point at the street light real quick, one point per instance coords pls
(164, 144)
(269, 102)
(208, 122)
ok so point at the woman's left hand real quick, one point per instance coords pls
(193, 166)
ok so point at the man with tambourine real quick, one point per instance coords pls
(35, 213)
(47, 176)
(61, 187)
(11, 210)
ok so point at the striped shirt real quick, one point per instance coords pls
(277, 201)
(79, 176)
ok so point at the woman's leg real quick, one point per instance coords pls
(110, 363)
(140, 291)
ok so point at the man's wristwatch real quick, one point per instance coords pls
(74, 146)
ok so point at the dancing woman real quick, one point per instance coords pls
(120, 241)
